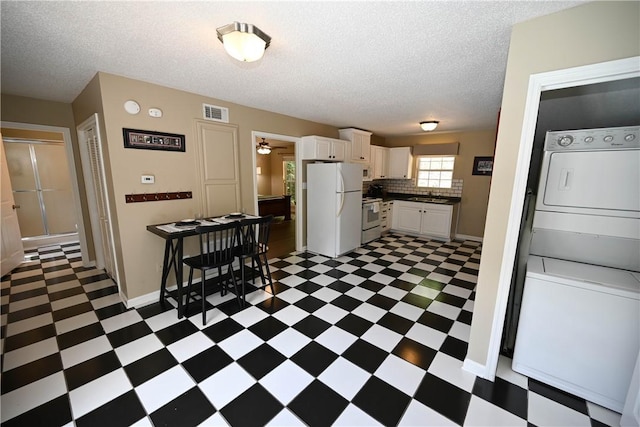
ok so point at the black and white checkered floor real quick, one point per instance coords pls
(376, 337)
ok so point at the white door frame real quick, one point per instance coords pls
(66, 134)
(299, 208)
(91, 198)
(571, 77)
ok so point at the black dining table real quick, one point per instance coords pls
(174, 233)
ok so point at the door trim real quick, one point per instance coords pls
(94, 120)
(570, 77)
(75, 190)
(298, 159)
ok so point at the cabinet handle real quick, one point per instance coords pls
(14, 207)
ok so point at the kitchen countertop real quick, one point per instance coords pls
(408, 197)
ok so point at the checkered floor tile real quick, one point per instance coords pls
(376, 337)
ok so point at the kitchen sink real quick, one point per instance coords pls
(428, 200)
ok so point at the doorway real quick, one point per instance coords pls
(45, 185)
(275, 184)
(538, 83)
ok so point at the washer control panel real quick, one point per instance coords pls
(593, 139)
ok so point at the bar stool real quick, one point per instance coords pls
(254, 239)
(218, 245)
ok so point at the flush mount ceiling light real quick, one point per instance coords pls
(429, 125)
(263, 147)
(244, 42)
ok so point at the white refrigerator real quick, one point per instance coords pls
(334, 208)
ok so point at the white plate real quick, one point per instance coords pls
(187, 220)
(235, 213)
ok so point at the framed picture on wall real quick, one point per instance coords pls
(482, 166)
(150, 140)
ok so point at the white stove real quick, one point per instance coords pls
(371, 229)
(371, 199)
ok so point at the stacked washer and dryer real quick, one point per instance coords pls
(579, 327)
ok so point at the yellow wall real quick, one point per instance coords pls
(475, 192)
(140, 252)
(588, 34)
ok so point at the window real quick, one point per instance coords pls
(435, 171)
(289, 178)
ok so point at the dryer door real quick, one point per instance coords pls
(591, 182)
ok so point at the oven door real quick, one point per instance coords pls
(370, 215)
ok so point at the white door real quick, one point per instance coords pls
(12, 251)
(218, 168)
(97, 196)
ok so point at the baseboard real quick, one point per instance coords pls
(154, 296)
(141, 300)
(465, 237)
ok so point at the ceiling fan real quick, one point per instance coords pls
(263, 147)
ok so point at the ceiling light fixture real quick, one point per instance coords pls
(263, 147)
(429, 125)
(244, 42)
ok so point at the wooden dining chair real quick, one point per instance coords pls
(254, 240)
(218, 248)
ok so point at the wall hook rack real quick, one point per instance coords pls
(156, 197)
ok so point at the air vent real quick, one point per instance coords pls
(215, 113)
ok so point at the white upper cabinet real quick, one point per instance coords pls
(322, 148)
(379, 162)
(359, 144)
(400, 163)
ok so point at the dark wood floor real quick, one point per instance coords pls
(283, 237)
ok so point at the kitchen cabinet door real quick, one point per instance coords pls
(427, 219)
(436, 223)
(380, 161)
(338, 150)
(400, 163)
(407, 217)
(322, 148)
(359, 144)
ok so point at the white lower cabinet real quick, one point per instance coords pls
(432, 220)
(386, 215)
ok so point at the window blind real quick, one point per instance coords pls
(448, 149)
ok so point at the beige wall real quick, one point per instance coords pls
(139, 252)
(475, 193)
(588, 34)
(264, 179)
(36, 111)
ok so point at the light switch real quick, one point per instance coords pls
(155, 112)
(148, 179)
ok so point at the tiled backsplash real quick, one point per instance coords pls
(407, 186)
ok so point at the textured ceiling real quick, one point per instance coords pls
(380, 66)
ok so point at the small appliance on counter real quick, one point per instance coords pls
(375, 190)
